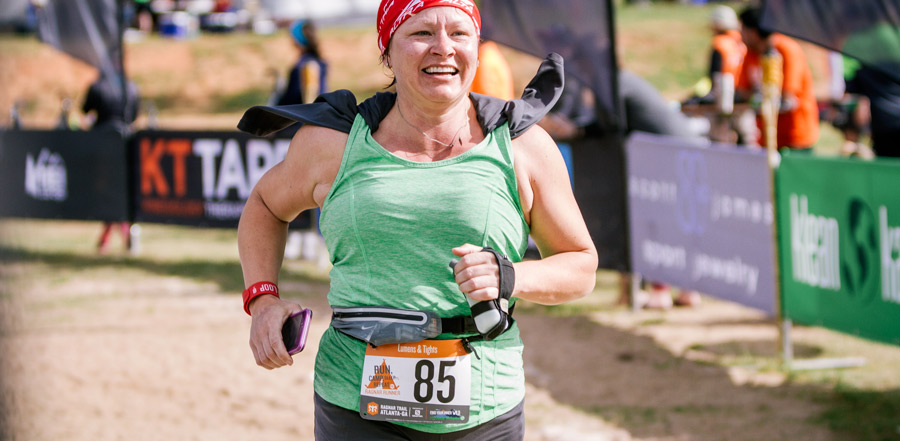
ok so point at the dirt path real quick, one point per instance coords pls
(106, 354)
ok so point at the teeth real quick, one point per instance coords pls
(435, 70)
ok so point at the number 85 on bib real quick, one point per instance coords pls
(422, 382)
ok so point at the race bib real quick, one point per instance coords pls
(422, 382)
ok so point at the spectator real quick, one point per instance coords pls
(144, 16)
(408, 181)
(847, 111)
(646, 110)
(307, 79)
(15, 115)
(883, 99)
(726, 61)
(798, 120)
(494, 76)
(105, 108)
(728, 49)
(67, 120)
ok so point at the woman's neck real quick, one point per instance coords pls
(434, 132)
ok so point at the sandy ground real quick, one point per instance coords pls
(119, 356)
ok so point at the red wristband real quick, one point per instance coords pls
(258, 289)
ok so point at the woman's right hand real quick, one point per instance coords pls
(268, 316)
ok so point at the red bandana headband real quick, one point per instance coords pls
(392, 13)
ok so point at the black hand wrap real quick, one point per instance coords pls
(507, 283)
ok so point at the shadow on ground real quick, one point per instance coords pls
(634, 383)
(626, 379)
(226, 274)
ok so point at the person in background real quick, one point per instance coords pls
(307, 79)
(881, 101)
(144, 16)
(105, 108)
(494, 76)
(846, 111)
(728, 49)
(725, 65)
(646, 110)
(408, 182)
(798, 119)
(15, 115)
(67, 120)
(714, 94)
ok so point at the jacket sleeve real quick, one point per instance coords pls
(541, 93)
(335, 110)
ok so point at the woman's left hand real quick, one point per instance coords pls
(477, 273)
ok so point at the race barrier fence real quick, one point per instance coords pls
(700, 218)
(200, 178)
(61, 174)
(839, 242)
(184, 178)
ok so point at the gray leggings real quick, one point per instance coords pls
(334, 423)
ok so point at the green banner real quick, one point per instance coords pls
(839, 244)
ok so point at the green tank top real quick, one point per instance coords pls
(390, 224)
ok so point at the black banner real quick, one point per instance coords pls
(581, 31)
(200, 178)
(63, 175)
(868, 30)
(89, 30)
(599, 185)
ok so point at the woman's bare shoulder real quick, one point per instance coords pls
(317, 146)
(534, 147)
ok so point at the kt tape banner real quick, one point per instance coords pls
(200, 178)
(61, 174)
(839, 228)
(701, 218)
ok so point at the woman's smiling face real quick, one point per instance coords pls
(434, 54)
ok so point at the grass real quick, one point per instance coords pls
(665, 43)
(871, 416)
(66, 249)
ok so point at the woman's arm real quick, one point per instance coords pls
(298, 183)
(567, 269)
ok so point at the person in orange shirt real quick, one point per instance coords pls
(798, 120)
(728, 49)
(494, 76)
(726, 60)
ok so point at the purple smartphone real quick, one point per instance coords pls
(294, 331)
